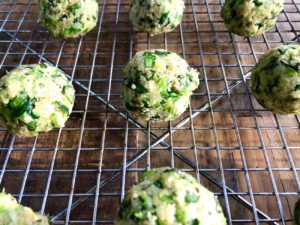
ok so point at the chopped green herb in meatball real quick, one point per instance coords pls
(158, 85)
(276, 80)
(35, 98)
(156, 16)
(69, 18)
(251, 17)
(167, 196)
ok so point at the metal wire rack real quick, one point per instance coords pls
(247, 156)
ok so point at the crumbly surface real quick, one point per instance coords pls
(69, 18)
(156, 16)
(158, 85)
(12, 213)
(276, 80)
(250, 17)
(35, 98)
(167, 196)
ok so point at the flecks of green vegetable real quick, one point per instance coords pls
(272, 62)
(73, 8)
(257, 3)
(140, 89)
(139, 216)
(34, 115)
(54, 120)
(17, 101)
(158, 184)
(145, 201)
(162, 53)
(43, 65)
(164, 18)
(195, 222)
(6, 113)
(62, 107)
(32, 126)
(25, 107)
(149, 59)
(159, 222)
(171, 170)
(146, 174)
(190, 197)
(294, 67)
(180, 215)
(167, 198)
(297, 87)
(68, 92)
(72, 30)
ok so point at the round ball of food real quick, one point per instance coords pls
(156, 16)
(168, 196)
(35, 98)
(250, 17)
(68, 18)
(158, 85)
(276, 80)
(12, 213)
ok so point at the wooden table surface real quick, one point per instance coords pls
(244, 147)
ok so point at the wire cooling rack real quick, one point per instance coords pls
(247, 156)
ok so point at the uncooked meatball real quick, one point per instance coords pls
(69, 18)
(156, 16)
(35, 98)
(250, 17)
(276, 80)
(167, 196)
(158, 85)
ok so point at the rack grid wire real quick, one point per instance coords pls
(78, 174)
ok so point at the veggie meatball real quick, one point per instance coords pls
(276, 80)
(168, 196)
(12, 213)
(35, 98)
(68, 18)
(158, 85)
(250, 17)
(156, 16)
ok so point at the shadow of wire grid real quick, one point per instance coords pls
(244, 154)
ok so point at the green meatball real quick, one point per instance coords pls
(158, 85)
(68, 18)
(250, 17)
(35, 98)
(276, 80)
(156, 16)
(167, 196)
(12, 213)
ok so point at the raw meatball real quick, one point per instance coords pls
(158, 85)
(166, 196)
(35, 98)
(250, 17)
(156, 16)
(276, 80)
(68, 18)
(12, 213)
